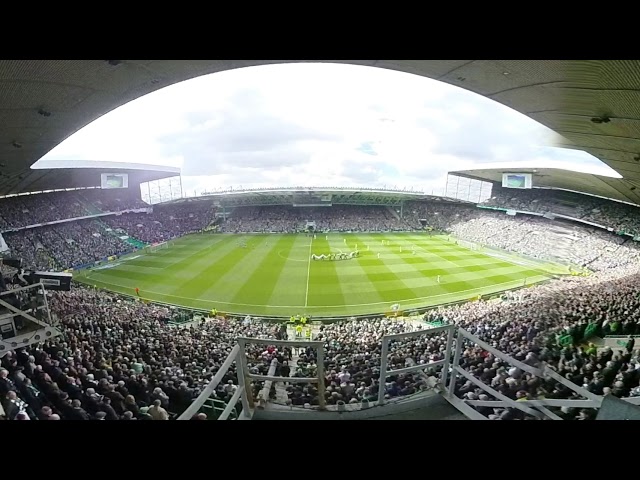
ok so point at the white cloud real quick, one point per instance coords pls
(316, 124)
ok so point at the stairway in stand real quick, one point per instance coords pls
(281, 391)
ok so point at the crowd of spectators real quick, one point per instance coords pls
(112, 200)
(352, 363)
(113, 347)
(82, 242)
(117, 359)
(27, 246)
(567, 242)
(24, 210)
(540, 238)
(529, 325)
(338, 218)
(165, 223)
(64, 245)
(621, 217)
(525, 324)
(121, 359)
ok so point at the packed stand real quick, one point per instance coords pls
(64, 245)
(529, 328)
(24, 210)
(112, 200)
(116, 360)
(549, 240)
(82, 242)
(621, 217)
(113, 348)
(338, 218)
(540, 238)
(438, 216)
(26, 246)
(352, 363)
(165, 223)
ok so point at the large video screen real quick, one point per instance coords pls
(114, 180)
(516, 180)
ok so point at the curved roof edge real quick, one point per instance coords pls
(318, 196)
(63, 174)
(587, 183)
(78, 164)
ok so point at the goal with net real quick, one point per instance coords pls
(157, 247)
(466, 244)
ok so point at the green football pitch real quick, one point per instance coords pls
(274, 275)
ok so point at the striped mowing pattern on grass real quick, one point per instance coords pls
(273, 275)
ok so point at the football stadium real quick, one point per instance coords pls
(322, 302)
(322, 274)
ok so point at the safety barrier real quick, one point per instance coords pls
(445, 374)
(34, 320)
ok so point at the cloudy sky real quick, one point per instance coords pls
(318, 125)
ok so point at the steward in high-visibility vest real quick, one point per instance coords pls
(303, 320)
(293, 319)
(299, 331)
(308, 333)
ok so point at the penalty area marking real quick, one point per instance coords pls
(293, 259)
(512, 283)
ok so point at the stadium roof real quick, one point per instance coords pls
(318, 196)
(59, 174)
(558, 178)
(593, 104)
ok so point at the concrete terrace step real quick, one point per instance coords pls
(436, 409)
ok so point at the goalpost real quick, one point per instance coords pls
(153, 248)
(467, 244)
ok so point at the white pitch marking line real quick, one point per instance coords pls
(513, 283)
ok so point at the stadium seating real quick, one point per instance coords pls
(620, 217)
(120, 359)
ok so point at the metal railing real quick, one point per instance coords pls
(237, 355)
(41, 307)
(30, 305)
(450, 371)
(387, 339)
(319, 378)
(242, 392)
(536, 408)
